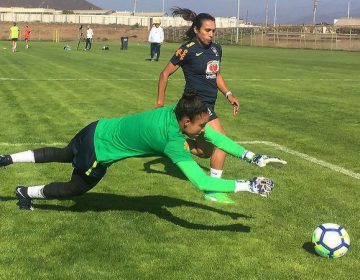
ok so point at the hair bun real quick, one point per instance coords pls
(189, 94)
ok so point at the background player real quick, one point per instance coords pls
(27, 32)
(14, 36)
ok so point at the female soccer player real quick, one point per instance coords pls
(200, 60)
(27, 32)
(158, 132)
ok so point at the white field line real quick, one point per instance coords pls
(306, 157)
(155, 79)
(320, 162)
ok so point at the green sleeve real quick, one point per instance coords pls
(203, 182)
(223, 142)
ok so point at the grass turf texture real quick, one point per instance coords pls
(144, 221)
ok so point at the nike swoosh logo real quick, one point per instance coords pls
(19, 192)
(198, 54)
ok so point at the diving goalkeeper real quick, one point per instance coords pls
(164, 131)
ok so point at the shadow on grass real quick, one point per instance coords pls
(309, 246)
(154, 204)
(169, 168)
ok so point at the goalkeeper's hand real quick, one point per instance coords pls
(263, 160)
(262, 186)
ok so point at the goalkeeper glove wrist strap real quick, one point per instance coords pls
(248, 156)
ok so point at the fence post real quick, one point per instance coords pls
(336, 41)
(241, 37)
(350, 38)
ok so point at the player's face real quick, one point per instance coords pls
(196, 127)
(206, 32)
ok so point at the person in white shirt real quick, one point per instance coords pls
(89, 37)
(156, 38)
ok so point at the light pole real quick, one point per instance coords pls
(348, 9)
(134, 7)
(237, 21)
(163, 7)
(266, 12)
(314, 10)
(275, 13)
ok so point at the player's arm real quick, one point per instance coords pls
(162, 84)
(227, 93)
(201, 181)
(229, 146)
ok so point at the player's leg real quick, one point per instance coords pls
(78, 184)
(86, 44)
(218, 157)
(204, 149)
(42, 155)
(158, 46)
(87, 173)
(152, 51)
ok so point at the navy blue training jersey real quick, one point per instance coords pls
(200, 66)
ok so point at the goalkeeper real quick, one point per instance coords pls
(164, 131)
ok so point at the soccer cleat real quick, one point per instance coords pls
(218, 197)
(5, 160)
(262, 186)
(24, 200)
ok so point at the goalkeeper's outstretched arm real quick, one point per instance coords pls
(201, 181)
(229, 146)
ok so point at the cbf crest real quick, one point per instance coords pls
(212, 67)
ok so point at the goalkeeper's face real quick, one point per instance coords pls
(195, 127)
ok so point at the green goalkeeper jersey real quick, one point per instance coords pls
(157, 132)
(154, 132)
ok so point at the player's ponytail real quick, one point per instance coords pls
(189, 15)
(190, 105)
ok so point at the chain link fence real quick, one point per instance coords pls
(304, 37)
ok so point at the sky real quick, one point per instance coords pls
(288, 11)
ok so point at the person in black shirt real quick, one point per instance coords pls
(200, 60)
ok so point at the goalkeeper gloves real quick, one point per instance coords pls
(262, 186)
(258, 185)
(263, 160)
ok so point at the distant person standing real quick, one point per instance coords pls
(156, 38)
(27, 32)
(14, 36)
(89, 37)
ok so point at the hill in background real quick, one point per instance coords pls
(50, 4)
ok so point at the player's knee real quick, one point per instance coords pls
(201, 153)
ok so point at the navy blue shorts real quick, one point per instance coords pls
(83, 148)
(211, 109)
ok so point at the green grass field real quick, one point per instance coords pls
(144, 221)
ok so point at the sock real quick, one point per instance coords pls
(242, 186)
(215, 173)
(36, 191)
(27, 156)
